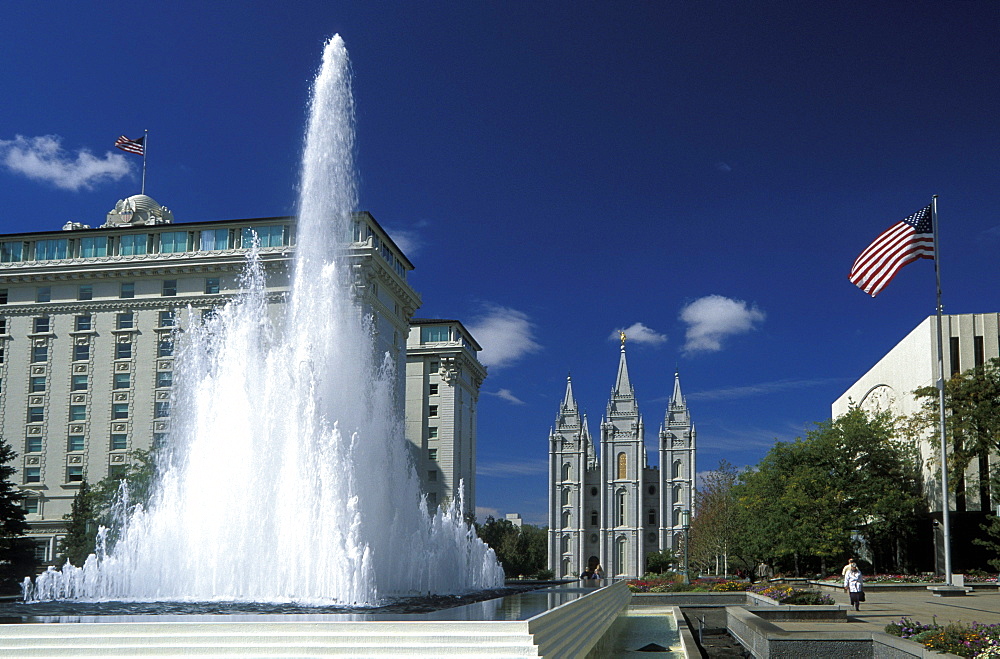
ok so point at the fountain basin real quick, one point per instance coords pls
(558, 621)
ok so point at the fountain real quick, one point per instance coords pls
(260, 495)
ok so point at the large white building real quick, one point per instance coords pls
(88, 320)
(615, 506)
(969, 340)
(443, 376)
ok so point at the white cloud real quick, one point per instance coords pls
(760, 389)
(639, 333)
(505, 334)
(408, 240)
(507, 395)
(482, 512)
(713, 318)
(512, 469)
(44, 159)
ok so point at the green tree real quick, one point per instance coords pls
(520, 550)
(972, 409)
(850, 477)
(659, 562)
(108, 504)
(16, 551)
(715, 529)
(81, 528)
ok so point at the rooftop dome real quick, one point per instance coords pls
(138, 209)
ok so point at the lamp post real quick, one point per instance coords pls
(686, 525)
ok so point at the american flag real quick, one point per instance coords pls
(907, 240)
(132, 146)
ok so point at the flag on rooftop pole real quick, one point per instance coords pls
(136, 146)
(909, 239)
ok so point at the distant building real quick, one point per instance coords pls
(969, 341)
(515, 519)
(614, 505)
(88, 320)
(443, 376)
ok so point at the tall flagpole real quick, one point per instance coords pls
(145, 147)
(945, 517)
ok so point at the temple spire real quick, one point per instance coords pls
(623, 387)
(569, 402)
(677, 399)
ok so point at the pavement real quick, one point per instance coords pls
(882, 607)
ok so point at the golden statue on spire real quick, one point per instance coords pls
(621, 334)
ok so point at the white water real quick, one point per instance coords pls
(288, 477)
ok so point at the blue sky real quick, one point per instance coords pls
(559, 170)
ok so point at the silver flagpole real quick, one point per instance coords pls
(145, 147)
(945, 517)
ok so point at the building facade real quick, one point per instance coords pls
(443, 377)
(88, 321)
(969, 340)
(614, 505)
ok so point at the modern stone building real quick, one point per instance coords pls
(88, 321)
(969, 341)
(443, 376)
(614, 505)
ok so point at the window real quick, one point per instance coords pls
(32, 474)
(432, 475)
(11, 252)
(43, 294)
(651, 517)
(36, 384)
(122, 380)
(432, 367)
(567, 472)
(33, 444)
(437, 333)
(208, 315)
(74, 474)
(41, 325)
(620, 500)
(127, 290)
(165, 348)
(651, 490)
(3, 325)
(213, 239)
(3, 296)
(159, 439)
(172, 242)
(956, 367)
(432, 433)
(161, 410)
(85, 292)
(133, 244)
(164, 379)
(1, 354)
(93, 246)
(82, 323)
(48, 250)
(166, 319)
(169, 288)
(593, 518)
(977, 351)
(81, 352)
(677, 494)
(79, 383)
(621, 552)
(432, 454)
(77, 412)
(75, 443)
(119, 442)
(622, 466)
(432, 389)
(117, 472)
(675, 471)
(565, 496)
(119, 411)
(36, 414)
(39, 354)
(211, 285)
(432, 410)
(432, 498)
(30, 505)
(126, 320)
(123, 351)
(269, 236)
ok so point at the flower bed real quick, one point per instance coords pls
(780, 594)
(917, 578)
(975, 640)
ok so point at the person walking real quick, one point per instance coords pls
(854, 586)
(847, 568)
